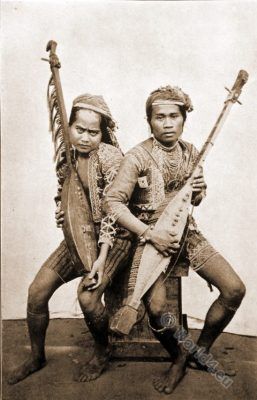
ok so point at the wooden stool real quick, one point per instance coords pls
(141, 343)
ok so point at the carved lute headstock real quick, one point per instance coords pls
(236, 90)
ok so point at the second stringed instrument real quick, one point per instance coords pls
(78, 227)
(173, 218)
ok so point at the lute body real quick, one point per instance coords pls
(173, 218)
(78, 227)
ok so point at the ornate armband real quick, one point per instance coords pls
(107, 230)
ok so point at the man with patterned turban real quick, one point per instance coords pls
(149, 177)
(96, 157)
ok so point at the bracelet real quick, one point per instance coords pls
(143, 238)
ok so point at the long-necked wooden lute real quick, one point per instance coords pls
(78, 227)
(173, 218)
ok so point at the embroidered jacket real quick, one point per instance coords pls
(103, 167)
(147, 172)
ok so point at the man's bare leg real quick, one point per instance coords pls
(40, 291)
(97, 321)
(168, 380)
(219, 273)
(155, 301)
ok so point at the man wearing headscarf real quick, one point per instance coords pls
(149, 177)
(96, 157)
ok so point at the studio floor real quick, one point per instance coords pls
(69, 343)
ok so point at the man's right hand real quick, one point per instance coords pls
(59, 217)
(165, 242)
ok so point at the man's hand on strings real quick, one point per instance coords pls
(198, 187)
(165, 242)
(199, 183)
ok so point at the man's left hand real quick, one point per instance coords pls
(96, 274)
(198, 183)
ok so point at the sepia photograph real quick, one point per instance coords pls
(129, 187)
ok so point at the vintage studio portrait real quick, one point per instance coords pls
(129, 192)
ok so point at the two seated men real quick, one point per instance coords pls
(133, 195)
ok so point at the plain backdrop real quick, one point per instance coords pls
(124, 50)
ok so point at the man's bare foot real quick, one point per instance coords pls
(210, 366)
(168, 381)
(25, 369)
(94, 368)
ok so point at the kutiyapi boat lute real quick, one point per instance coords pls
(173, 219)
(78, 227)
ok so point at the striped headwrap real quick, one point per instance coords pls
(168, 95)
(97, 103)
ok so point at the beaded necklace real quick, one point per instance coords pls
(170, 161)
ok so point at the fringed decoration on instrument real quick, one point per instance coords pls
(134, 269)
(55, 125)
